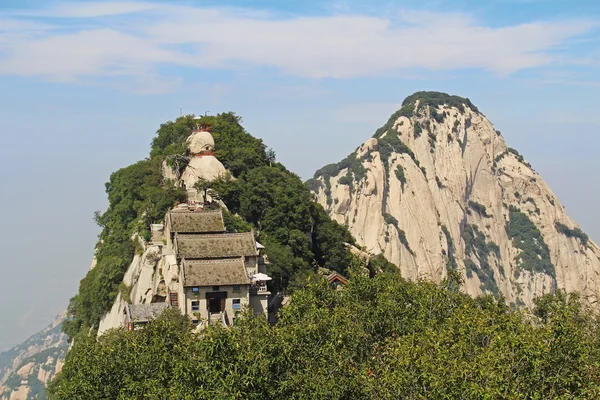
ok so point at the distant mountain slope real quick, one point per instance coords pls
(438, 187)
(28, 367)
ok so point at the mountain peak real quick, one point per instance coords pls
(437, 99)
(437, 187)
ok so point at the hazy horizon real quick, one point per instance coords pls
(86, 85)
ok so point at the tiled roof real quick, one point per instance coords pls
(223, 245)
(196, 221)
(228, 271)
(145, 312)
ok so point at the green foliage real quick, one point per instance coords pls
(479, 208)
(400, 175)
(470, 267)
(454, 129)
(379, 338)
(345, 180)
(297, 233)
(534, 255)
(390, 219)
(313, 184)
(451, 249)
(404, 241)
(356, 172)
(379, 264)
(391, 144)
(499, 157)
(137, 197)
(518, 156)
(235, 148)
(432, 139)
(329, 241)
(417, 129)
(437, 99)
(537, 209)
(264, 197)
(476, 245)
(572, 233)
(125, 292)
(235, 223)
(439, 183)
(405, 111)
(438, 116)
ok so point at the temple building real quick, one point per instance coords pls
(209, 274)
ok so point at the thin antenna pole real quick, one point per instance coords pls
(181, 111)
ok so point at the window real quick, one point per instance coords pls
(196, 290)
(236, 288)
(195, 305)
(236, 304)
(215, 288)
(173, 299)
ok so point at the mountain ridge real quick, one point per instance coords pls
(26, 369)
(437, 186)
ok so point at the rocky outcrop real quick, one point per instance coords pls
(145, 281)
(437, 187)
(203, 164)
(26, 369)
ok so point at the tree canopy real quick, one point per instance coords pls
(381, 337)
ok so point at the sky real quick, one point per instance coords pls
(85, 85)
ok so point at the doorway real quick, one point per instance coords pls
(216, 302)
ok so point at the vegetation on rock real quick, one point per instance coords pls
(534, 255)
(452, 264)
(478, 208)
(264, 196)
(572, 233)
(438, 99)
(137, 196)
(477, 245)
(400, 175)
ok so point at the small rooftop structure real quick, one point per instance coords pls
(222, 272)
(260, 277)
(336, 279)
(143, 313)
(226, 245)
(184, 221)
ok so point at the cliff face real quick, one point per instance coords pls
(26, 369)
(437, 187)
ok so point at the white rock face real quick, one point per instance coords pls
(204, 166)
(200, 141)
(144, 279)
(457, 166)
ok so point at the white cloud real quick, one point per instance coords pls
(88, 10)
(141, 37)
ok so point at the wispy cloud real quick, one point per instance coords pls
(75, 41)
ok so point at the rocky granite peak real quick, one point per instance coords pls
(438, 188)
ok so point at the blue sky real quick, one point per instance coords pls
(85, 85)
